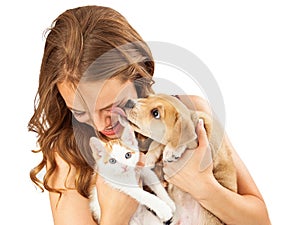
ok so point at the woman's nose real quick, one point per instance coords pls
(102, 120)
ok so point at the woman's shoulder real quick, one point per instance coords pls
(195, 102)
(74, 206)
(64, 173)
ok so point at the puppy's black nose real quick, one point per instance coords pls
(130, 104)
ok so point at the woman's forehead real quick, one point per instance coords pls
(96, 94)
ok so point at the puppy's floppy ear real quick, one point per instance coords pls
(97, 147)
(184, 131)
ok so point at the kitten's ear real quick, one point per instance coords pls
(128, 136)
(97, 147)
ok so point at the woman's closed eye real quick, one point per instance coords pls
(81, 116)
(78, 113)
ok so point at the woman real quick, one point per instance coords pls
(94, 61)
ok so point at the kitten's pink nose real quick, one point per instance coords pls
(125, 167)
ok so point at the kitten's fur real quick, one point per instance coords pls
(118, 168)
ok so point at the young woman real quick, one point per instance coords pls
(94, 61)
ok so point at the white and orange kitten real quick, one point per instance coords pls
(117, 164)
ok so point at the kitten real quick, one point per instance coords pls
(118, 168)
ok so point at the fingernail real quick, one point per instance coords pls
(201, 122)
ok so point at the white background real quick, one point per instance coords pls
(251, 47)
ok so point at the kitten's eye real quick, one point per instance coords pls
(128, 155)
(155, 113)
(112, 160)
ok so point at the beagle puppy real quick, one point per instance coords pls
(171, 127)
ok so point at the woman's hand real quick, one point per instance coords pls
(193, 174)
(194, 167)
(116, 207)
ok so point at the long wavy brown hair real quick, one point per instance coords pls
(76, 47)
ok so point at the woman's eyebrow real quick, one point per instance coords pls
(110, 105)
(107, 107)
(103, 108)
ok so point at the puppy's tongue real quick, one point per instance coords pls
(121, 116)
(119, 111)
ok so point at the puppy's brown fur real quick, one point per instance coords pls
(167, 121)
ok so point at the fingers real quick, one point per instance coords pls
(202, 140)
(201, 133)
(206, 160)
(203, 147)
(172, 168)
(198, 159)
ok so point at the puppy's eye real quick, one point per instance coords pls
(155, 113)
(128, 155)
(112, 160)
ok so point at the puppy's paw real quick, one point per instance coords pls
(171, 154)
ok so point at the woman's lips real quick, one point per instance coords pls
(115, 129)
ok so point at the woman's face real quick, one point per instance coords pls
(100, 98)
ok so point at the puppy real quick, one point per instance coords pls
(171, 126)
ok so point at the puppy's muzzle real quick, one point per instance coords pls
(130, 104)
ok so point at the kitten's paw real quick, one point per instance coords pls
(171, 204)
(165, 213)
(169, 222)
